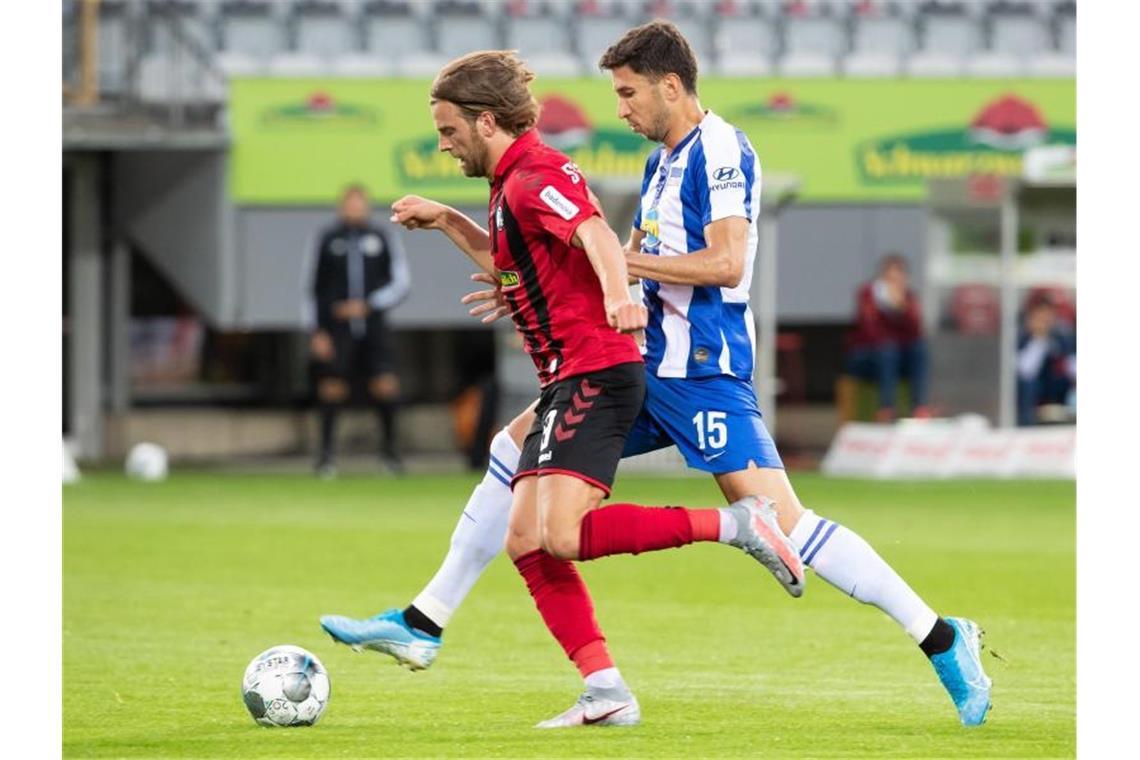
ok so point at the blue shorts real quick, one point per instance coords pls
(714, 422)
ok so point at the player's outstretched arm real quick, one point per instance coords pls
(416, 213)
(720, 264)
(608, 260)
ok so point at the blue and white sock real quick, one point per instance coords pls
(846, 561)
(478, 536)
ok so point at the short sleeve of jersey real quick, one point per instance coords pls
(728, 171)
(554, 197)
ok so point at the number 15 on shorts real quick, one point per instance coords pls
(712, 431)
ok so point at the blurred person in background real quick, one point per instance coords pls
(1046, 360)
(361, 272)
(886, 344)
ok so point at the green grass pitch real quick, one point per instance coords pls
(171, 588)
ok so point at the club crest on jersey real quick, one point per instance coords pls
(650, 225)
(509, 280)
(558, 202)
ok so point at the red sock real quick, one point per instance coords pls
(566, 608)
(630, 529)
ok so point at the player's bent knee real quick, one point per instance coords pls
(519, 544)
(560, 543)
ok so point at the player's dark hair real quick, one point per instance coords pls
(654, 50)
(495, 81)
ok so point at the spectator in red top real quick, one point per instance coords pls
(887, 344)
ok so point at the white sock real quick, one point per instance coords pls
(728, 526)
(606, 678)
(478, 536)
(846, 561)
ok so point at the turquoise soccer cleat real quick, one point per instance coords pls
(960, 670)
(387, 633)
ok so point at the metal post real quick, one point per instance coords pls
(1007, 388)
(118, 328)
(764, 300)
(86, 310)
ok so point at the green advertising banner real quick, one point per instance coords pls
(298, 141)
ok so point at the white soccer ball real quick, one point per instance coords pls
(146, 461)
(286, 686)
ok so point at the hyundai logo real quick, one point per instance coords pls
(725, 173)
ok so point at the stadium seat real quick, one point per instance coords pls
(420, 64)
(934, 65)
(1067, 35)
(994, 64)
(253, 29)
(1019, 35)
(745, 39)
(394, 36)
(595, 34)
(892, 36)
(324, 30)
(743, 64)
(361, 65)
(532, 35)
(297, 65)
(959, 36)
(807, 65)
(555, 64)
(818, 36)
(1051, 65)
(696, 31)
(461, 33)
(871, 64)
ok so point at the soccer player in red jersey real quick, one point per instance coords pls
(563, 273)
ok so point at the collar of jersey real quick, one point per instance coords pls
(672, 154)
(521, 145)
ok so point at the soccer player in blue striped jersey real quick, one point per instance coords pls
(693, 245)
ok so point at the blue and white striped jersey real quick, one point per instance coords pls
(712, 174)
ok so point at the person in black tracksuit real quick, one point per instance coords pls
(360, 273)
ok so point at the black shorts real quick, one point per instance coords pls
(360, 358)
(581, 424)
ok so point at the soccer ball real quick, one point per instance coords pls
(286, 686)
(146, 461)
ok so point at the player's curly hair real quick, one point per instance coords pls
(654, 50)
(496, 81)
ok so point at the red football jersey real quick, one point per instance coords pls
(538, 199)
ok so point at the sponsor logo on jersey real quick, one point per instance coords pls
(499, 216)
(558, 202)
(509, 280)
(736, 184)
(726, 173)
